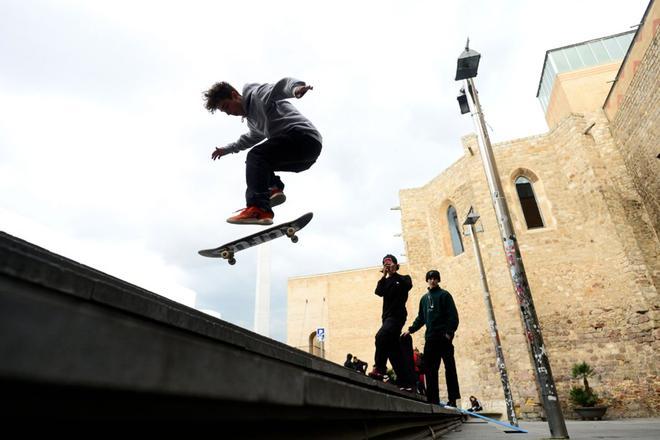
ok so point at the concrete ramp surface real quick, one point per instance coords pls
(78, 344)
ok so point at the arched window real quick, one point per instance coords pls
(454, 231)
(530, 207)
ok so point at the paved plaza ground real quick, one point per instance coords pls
(628, 429)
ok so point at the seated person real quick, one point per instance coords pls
(475, 406)
(360, 367)
(349, 363)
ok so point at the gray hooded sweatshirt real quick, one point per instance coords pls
(269, 115)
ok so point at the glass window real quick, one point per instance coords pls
(613, 48)
(542, 89)
(548, 80)
(626, 40)
(599, 51)
(454, 231)
(624, 43)
(528, 203)
(543, 97)
(586, 55)
(573, 57)
(580, 56)
(560, 61)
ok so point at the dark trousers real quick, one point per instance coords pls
(436, 351)
(292, 151)
(388, 346)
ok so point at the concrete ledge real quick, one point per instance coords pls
(71, 335)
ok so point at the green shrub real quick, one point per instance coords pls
(580, 397)
(392, 375)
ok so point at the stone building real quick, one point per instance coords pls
(584, 202)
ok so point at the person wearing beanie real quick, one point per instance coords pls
(438, 313)
(393, 288)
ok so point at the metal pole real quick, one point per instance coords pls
(262, 295)
(530, 321)
(494, 333)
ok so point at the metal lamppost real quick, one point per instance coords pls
(468, 64)
(470, 222)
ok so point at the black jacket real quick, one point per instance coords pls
(394, 291)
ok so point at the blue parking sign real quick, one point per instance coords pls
(320, 334)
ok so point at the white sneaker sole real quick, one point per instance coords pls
(251, 221)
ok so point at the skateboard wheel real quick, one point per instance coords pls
(224, 254)
(232, 261)
(290, 232)
(294, 238)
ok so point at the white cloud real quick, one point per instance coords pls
(130, 261)
(212, 313)
(105, 145)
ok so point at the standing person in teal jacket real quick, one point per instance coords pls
(438, 313)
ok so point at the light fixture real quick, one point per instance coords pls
(468, 63)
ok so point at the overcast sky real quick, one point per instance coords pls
(105, 144)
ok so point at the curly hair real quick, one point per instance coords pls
(217, 93)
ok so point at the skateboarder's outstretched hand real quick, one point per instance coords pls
(218, 153)
(300, 91)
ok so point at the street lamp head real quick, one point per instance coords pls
(472, 217)
(463, 102)
(468, 63)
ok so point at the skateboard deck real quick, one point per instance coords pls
(511, 428)
(288, 229)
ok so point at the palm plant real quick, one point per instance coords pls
(583, 396)
(583, 371)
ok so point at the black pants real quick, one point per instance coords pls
(435, 351)
(388, 346)
(292, 151)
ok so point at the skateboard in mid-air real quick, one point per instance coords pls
(288, 229)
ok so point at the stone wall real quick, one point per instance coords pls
(633, 107)
(344, 303)
(592, 292)
(592, 289)
(307, 310)
(636, 131)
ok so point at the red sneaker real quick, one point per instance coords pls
(252, 215)
(277, 197)
(376, 374)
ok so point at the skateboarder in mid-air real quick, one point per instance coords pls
(291, 143)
